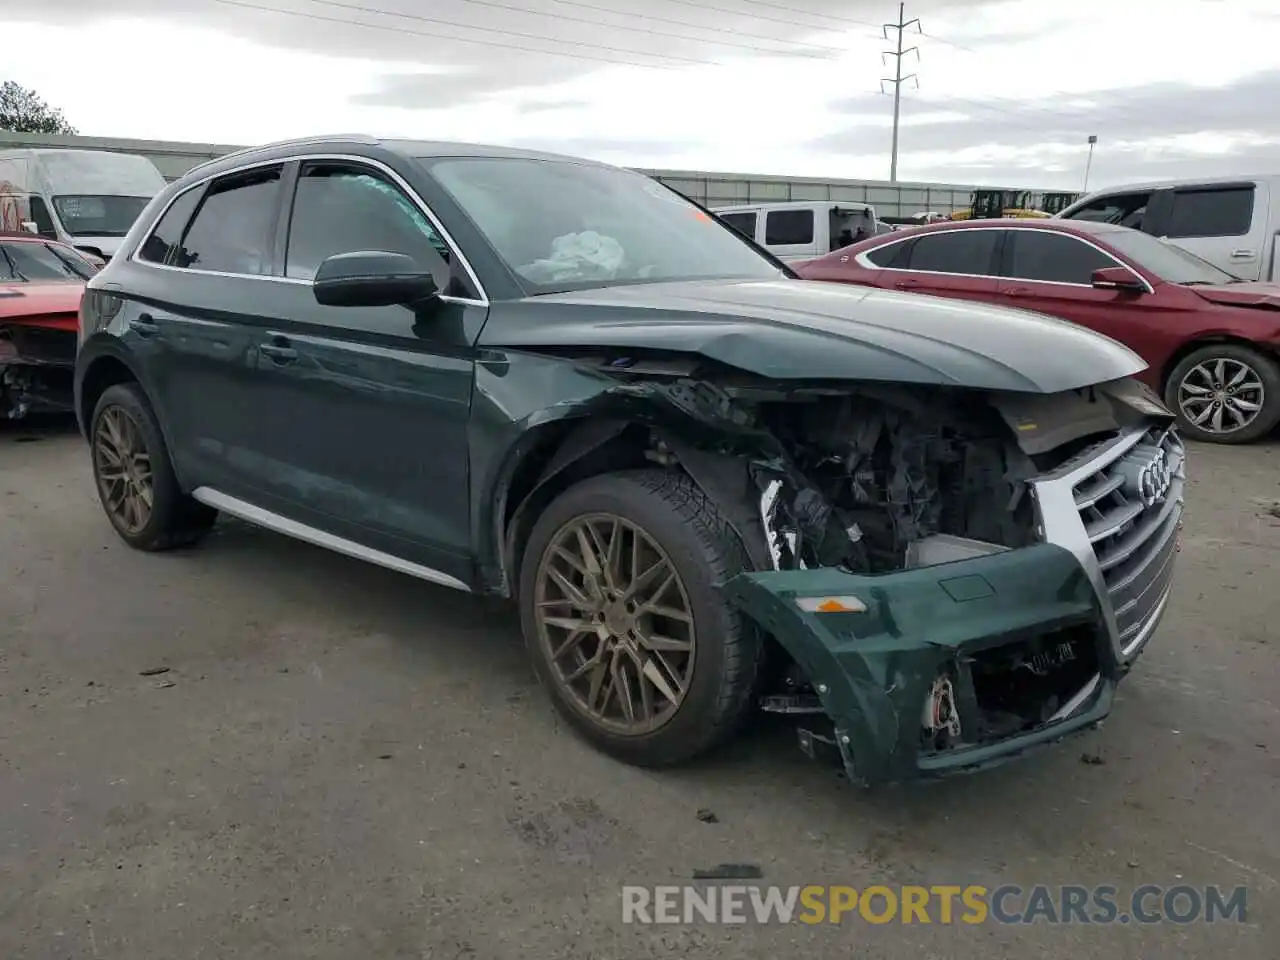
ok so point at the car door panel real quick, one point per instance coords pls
(1226, 224)
(336, 393)
(362, 425)
(956, 263)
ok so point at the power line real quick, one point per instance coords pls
(494, 4)
(901, 27)
(786, 21)
(612, 61)
(652, 18)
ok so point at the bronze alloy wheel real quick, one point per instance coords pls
(615, 622)
(122, 466)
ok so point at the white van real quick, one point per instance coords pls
(1230, 221)
(86, 198)
(802, 230)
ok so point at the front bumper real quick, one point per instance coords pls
(36, 369)
(1099, 583)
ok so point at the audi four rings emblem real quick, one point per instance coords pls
(1148, 474)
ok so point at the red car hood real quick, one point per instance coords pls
(1242, 294)
(54, 305)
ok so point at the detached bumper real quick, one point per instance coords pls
(955, 666)
(875, 671)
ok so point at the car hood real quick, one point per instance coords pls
(1241, 294)
(799, 329)
(53, 303)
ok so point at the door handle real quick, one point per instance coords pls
(278, 350)
(1242, 254)
(906, 284)
(1017, 292)
(144, 325)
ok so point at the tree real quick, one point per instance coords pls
(23, 111)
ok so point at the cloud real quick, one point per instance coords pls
(1162, 126)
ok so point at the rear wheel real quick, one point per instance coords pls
(624, 623)
(1225, 393)
(135, 479)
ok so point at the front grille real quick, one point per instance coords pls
(1131, 508)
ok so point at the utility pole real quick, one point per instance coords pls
(898, 77)
(1089, 163)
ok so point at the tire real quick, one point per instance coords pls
(1235, 357)
(174, 519)
(703, 550)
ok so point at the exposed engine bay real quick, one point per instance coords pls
(874, 478)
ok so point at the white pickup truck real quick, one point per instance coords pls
(801, 230)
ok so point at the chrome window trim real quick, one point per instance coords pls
(863, 260)
(399, 181)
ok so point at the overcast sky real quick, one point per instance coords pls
(1008, 91)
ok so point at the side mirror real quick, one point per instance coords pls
(372, 278)
(1117, 278)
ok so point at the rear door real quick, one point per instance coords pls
(362, 412)
(1224, 223)
(952, 263)
(793, 234)
(197, 296)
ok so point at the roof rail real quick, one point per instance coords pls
(296, 141)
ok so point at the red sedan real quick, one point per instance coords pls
(1212, 341)
(41, 282)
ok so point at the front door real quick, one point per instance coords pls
(364, 410)
(1052, 273)
(1226, 224)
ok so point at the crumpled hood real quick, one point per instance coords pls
(1241, 294)
(800, 329)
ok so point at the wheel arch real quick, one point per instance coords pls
(559, 454)
(99, 373)
(1209, 340)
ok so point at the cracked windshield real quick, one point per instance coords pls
(604, 480)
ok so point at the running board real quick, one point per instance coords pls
(300, 531)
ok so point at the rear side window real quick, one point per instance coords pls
(1211, 213)
(787, 227)
(957, 251)
(163, 244)
(1054, 258)
(231, 232)
(744, 223)
(892, 256)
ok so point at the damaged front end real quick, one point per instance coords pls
(37, 363)
(956, 576)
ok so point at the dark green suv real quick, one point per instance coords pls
(936, 532)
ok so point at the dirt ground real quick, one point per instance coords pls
(341, 762)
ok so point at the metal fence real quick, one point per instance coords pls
(711, 189)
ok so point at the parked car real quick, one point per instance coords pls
(709, 486)
(1232, 222)
(85, 198)
(41, 282)
(1211, 341)
(799, 230)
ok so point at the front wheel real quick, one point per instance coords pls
(1225, 393)
(622, 617)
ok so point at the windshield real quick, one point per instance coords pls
(98, 215)
(1167, 261)
(560, 225)
(39, 262)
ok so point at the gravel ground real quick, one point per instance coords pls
(341, 762)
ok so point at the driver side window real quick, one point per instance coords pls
(343, 208)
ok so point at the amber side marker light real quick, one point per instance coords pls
(831, 605)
